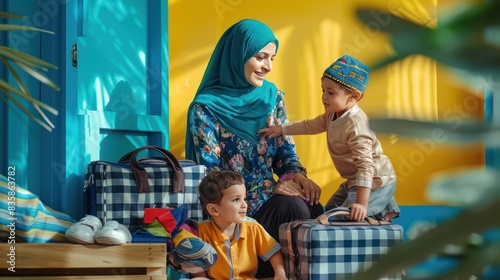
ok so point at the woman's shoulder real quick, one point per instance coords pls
(199, 108)
(280, 95)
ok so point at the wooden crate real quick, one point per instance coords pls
(75, 261)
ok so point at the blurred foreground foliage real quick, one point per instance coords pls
(462, 42)
(14, 60)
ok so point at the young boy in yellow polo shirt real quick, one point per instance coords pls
(238, 239)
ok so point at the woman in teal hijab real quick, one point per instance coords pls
(239, 106)
(232, 103)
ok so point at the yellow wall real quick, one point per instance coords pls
(312, 35)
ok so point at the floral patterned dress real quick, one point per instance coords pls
(220, 149)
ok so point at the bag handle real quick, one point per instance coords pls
(141, 175)
(340, 217)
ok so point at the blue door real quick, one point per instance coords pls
(117, 88)
(112, 65)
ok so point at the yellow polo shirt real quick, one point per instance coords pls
(238, 259)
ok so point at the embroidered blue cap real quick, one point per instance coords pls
(349, 72)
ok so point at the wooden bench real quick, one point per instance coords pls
(75, 261)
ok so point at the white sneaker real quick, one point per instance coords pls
(83, 231)
(113, 233)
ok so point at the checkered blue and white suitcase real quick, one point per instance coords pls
(112, 190)
(315, 249)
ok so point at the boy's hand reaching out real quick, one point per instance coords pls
(358, 212)
(271, 132)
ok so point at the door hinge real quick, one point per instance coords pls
(74, 55)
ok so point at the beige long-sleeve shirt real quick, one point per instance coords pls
(354, 148)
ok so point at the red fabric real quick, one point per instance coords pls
(163, 215)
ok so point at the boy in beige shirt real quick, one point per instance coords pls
(354, 148)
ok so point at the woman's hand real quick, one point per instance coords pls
(311, 190)
(271, 132)
(289, 188)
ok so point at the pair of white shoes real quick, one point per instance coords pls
(89, 230)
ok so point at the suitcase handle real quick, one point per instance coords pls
(340, 216)
(141, 175)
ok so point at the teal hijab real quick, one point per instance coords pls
(238, 106)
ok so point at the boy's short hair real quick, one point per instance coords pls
(349, 72)
(211, 186)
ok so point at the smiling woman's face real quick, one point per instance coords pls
(259, 65)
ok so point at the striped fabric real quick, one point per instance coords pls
(110, 191)
(335, 252)
(24, 218)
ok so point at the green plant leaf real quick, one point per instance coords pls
(476, 57)
(38, 75)
(32, 66)
(8, 88)
(475, 260)
(26, 111)
(468, 16)
(4, 27)
(403, 256)
(456, 42)
(10, 27)
(391, 22)
(24, 91)
(10, 15)
(485, 182)
(460, 132)
(14, 55)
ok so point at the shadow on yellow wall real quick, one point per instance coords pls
(312, 36)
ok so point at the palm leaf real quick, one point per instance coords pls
(24, 93)
(6, 87)
(32, 66)
(25, 58)
(26, 111)
(405, 255)
(456, 42)
(475, 259)
(7, 27)
(460, 133)
(10, 15)
(486, 182)
(37, 75)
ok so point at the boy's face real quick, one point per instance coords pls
(336, 99)
(233, 207)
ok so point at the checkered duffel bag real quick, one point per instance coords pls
(121, 191)
(331, 247)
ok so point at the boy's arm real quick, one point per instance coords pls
(358, 209)
(279, 269)
(313, 126)
(271, 132)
